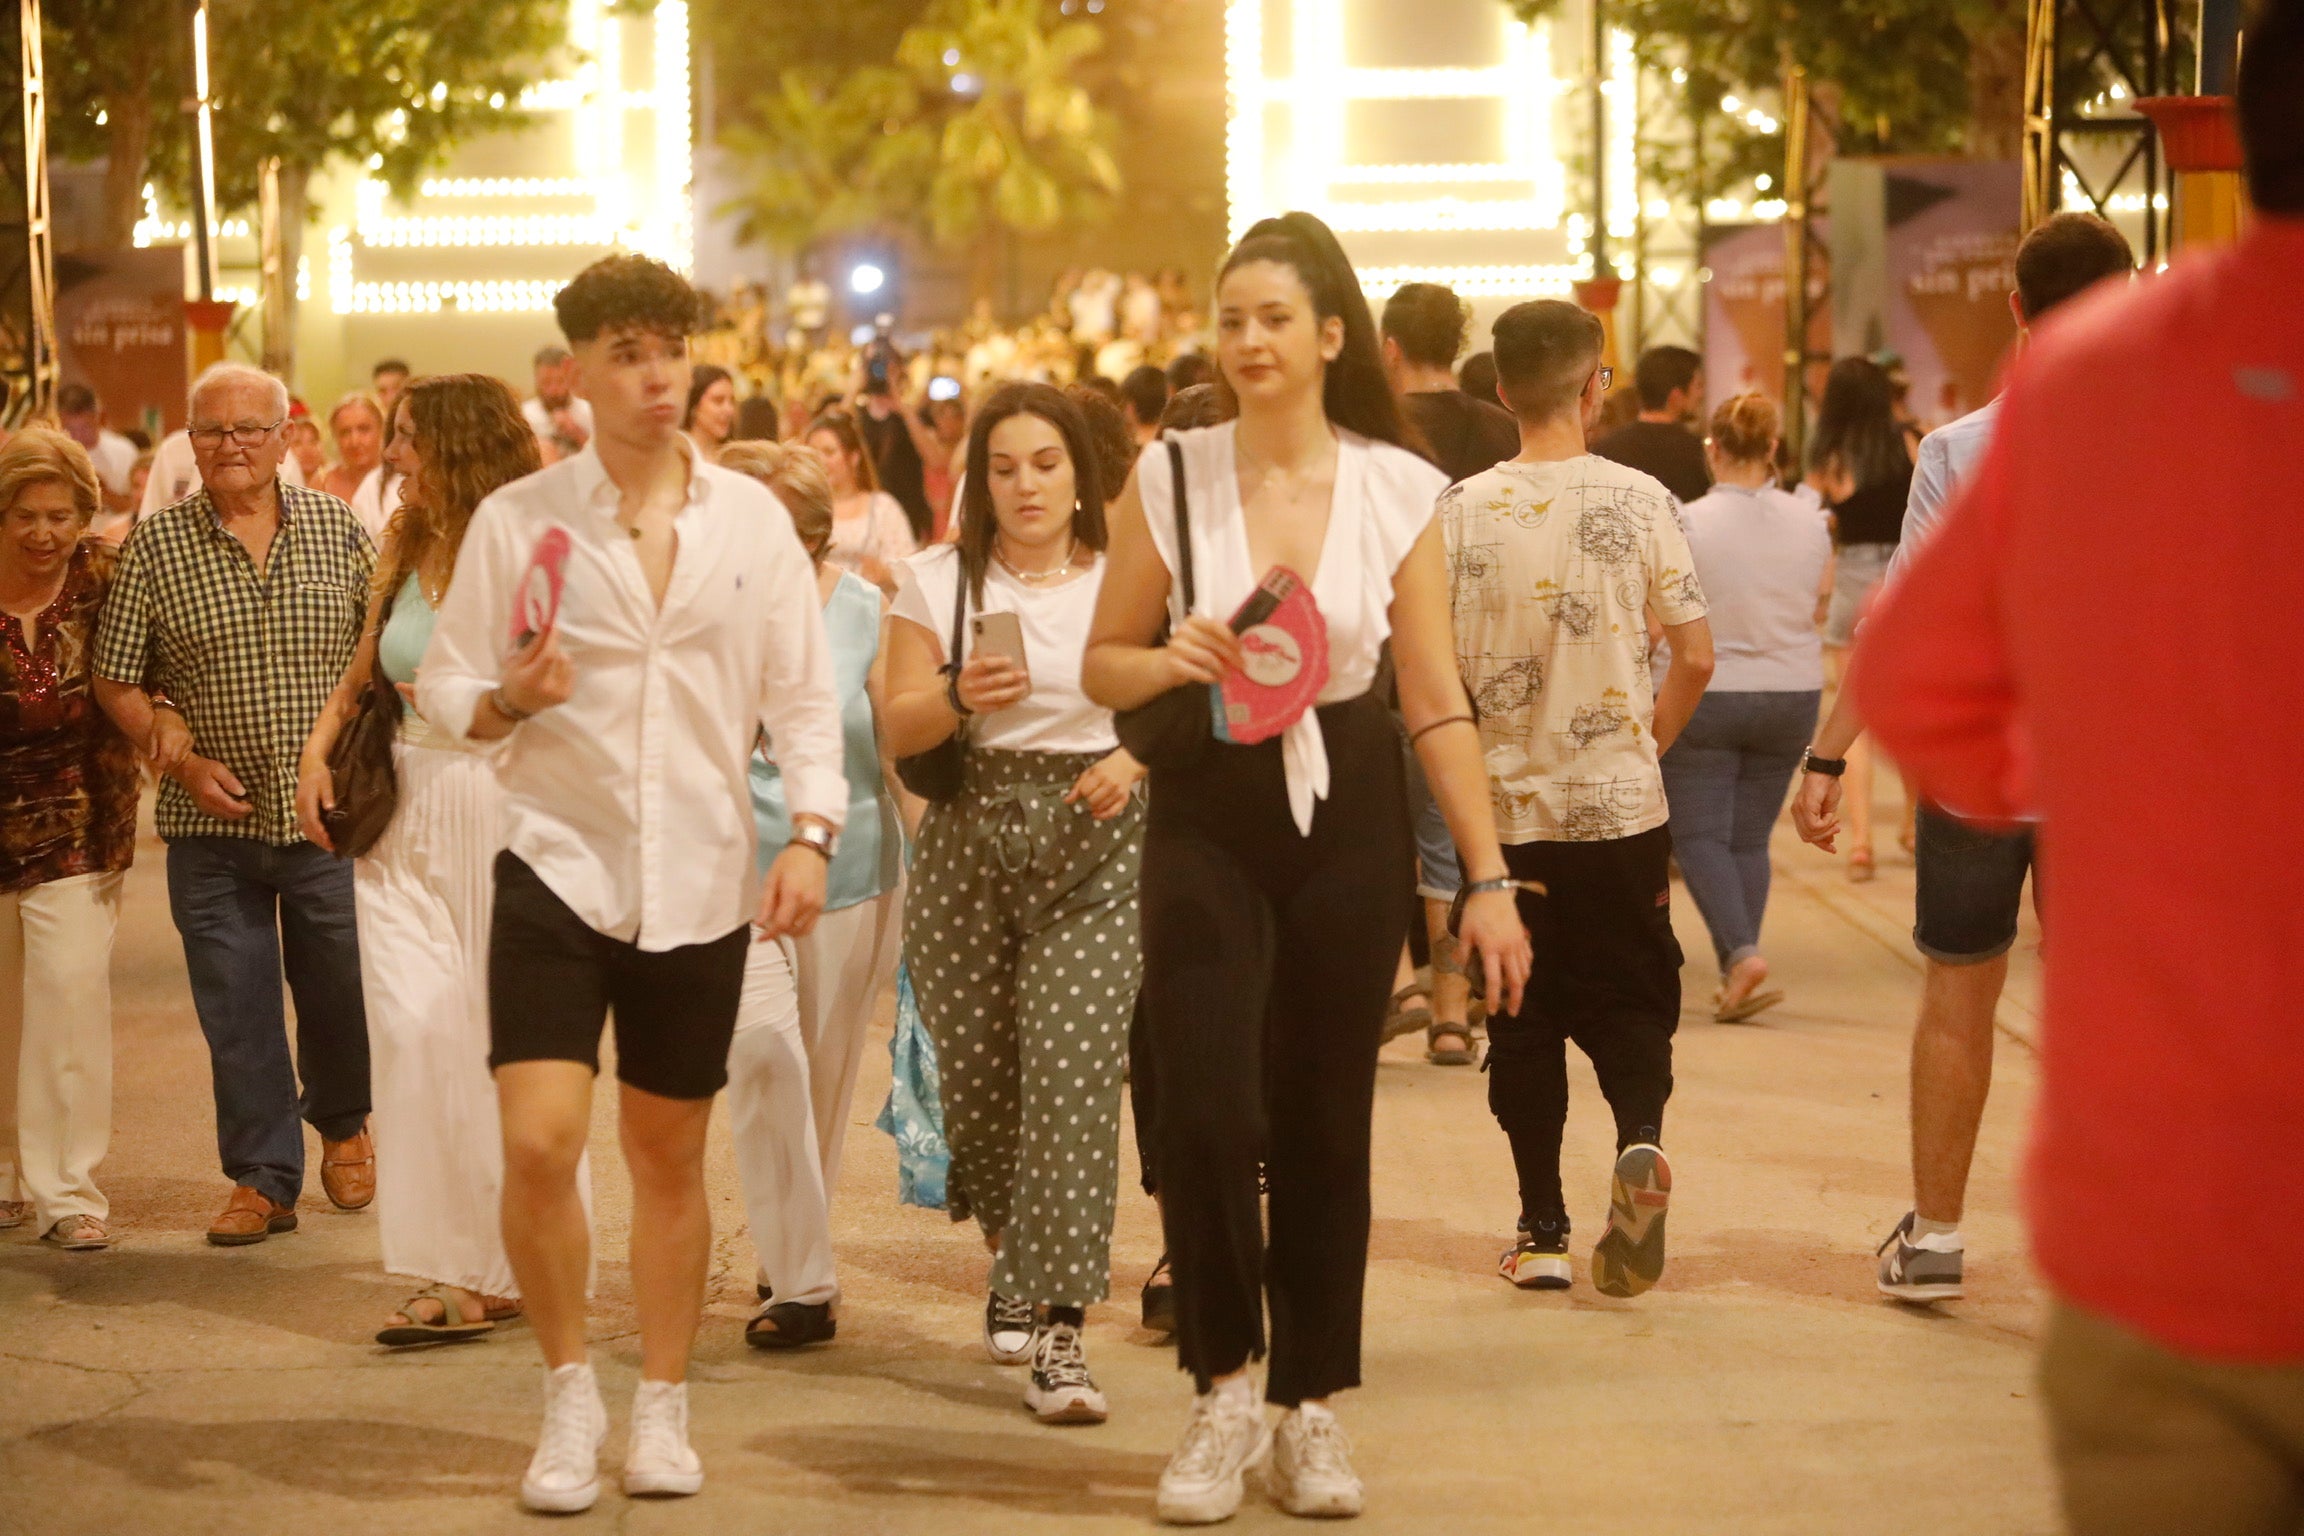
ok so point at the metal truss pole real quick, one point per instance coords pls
(2086, 62)
(37, 395)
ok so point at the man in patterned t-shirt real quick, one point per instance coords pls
(1558, 557)
(244, 602)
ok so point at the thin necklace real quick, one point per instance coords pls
(1039, 578)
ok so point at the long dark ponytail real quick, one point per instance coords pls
(1357, 396)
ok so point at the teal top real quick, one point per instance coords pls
(871, 853)
(401, 647)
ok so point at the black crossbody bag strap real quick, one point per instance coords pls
(1183, 522)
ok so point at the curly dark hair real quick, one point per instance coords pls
(1108, 435)
(628, 292)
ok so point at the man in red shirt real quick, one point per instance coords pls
(2092, 638)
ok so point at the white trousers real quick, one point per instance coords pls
(56, 1043)
(425, 895)
(792, 1067)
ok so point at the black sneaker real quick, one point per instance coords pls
(1011, 1328)
(1538, 1258)
(1160, 1299)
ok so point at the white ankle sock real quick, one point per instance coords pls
(1238, 1393)
(1923, 1227)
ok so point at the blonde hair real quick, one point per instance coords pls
(43, 456)
(362, 398)
(795, 472)
(1745, 427)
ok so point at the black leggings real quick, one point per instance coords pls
(1607, 976)
(1268, 963)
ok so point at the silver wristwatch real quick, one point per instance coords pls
(816, 837)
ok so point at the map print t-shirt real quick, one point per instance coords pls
(1552, 569)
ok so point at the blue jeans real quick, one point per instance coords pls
(248, 910)
(1725, 780)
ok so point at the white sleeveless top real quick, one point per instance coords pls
(1384, 498)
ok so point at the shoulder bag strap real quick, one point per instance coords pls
(959, 611)
(1183, 522)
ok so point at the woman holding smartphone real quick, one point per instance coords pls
(1278, 877)
(1022, 948)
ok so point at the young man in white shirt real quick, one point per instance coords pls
(687, 620)
(1557, 557)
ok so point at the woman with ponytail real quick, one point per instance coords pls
(1764, 559)
(1277, 876)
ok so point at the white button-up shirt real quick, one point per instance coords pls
(631, 800)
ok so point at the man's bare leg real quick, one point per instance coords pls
(546, 1109)
(1951, 1076)
(671, 1224)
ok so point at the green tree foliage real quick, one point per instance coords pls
(115, 70)
(1889, 76)
(977, 125)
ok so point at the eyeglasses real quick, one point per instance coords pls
(1607, 377)
(246, 435)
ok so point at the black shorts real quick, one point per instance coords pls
(1968, 889)
(553, 980)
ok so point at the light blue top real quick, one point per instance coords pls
(406, 633)
(1760, 557)
(871, 852)
(1947, 456)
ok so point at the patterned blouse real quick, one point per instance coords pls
(68, 780)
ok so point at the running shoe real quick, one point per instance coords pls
(563, 1477)
(1538, 1257)
(1010, 1329)
(660, 1461)
(1920, 1269)
(1060, 1390)
(1206, 1476)
(1629, 1257)
(1310, 1473)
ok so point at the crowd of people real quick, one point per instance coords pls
(1153, 728)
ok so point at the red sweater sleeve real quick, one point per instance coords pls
(1932, 671)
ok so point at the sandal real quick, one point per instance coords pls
(1159, 1299)
(14, 1213)
(453, 1327)
(77, 1234)
(1449, 1056)
(791, 1325)
(1746, 1007)
(1406, 1021)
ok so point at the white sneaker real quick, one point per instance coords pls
(659, 1459)
(1311, 1472)
(563, 1476)
(1011, 1328)
(1060, 1390)
(1204, 1479)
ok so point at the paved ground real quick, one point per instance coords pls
(171, 1387)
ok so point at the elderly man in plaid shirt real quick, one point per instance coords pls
(242, 604)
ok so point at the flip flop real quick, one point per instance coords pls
(1758, 1002)
(453, 1327)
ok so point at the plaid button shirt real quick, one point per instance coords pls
(248, 656)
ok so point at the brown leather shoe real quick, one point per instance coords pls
(348, 1170)
(248, 1217)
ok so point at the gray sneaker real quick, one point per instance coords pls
(1629, 1257)
(1919, 1268)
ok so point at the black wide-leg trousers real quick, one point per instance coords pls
(1269, 960)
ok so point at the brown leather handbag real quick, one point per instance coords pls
(360, 769)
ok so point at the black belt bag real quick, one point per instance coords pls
(1170, 731)
(935, 774)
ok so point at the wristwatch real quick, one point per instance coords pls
(1830, 767)
(816, 838)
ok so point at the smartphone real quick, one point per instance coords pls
(1001, 634)
(943, 387)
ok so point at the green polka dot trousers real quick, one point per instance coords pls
(1021, 940)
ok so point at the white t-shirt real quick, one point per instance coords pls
(1552, 569)
(881, 531)
(376, 498)
(1761, 556)
(1382, 503)
(1056, 716)
(114, 457)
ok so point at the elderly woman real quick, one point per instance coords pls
(68, 789)
(800, 1029)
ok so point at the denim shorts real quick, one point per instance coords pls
(1438, 870)
(1969, 889)
(1856, 574)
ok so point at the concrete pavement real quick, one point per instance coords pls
(168, 1386)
